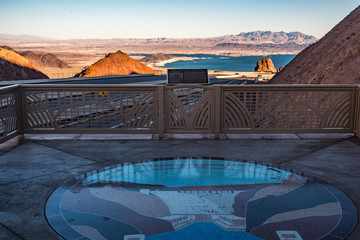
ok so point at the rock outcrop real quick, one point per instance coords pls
(45, 60)
(334, 59)
(265, 65)
(155, 58)
(13, 66)
(118, 63)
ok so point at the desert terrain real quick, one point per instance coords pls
(81, 53)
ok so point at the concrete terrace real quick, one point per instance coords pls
(35, 165)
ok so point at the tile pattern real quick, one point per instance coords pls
(198, 198)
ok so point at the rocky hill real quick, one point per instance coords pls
(118, 63)
(45, 60)
(334, 59)
(13, 66)
(155, 58)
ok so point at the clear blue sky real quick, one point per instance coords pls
(69, 19)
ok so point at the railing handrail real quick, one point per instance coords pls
(271, 86)
(9, 88)
(225, 87)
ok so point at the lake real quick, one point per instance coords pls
(228, 63)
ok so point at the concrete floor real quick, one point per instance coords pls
(34, 166)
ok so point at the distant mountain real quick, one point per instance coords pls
(118, 63)
(45, 60)
(13, 66)
(22, 37)
(270, 48)
(259, 37)
(155, 58)
(242, 44)
(334, 59)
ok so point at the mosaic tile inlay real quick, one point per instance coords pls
(199, 198)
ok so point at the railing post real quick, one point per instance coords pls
(217, 117)
(161, 103)
(357, 112)
(20, 114)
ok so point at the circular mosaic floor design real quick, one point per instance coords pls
(198, 198)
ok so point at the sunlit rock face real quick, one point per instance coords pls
(118, 63)
(13, 66)
(265, 65)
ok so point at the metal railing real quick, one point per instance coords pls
(159, 110)
(10, 112)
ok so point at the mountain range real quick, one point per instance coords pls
(22, 37)
(249, 43)
(274, 37)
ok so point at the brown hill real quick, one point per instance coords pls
(13, 66)
(45, 60)
(335, 59)
(118, 63)
(265, 65)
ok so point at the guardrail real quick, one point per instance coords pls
(159, 110)
(10, 112)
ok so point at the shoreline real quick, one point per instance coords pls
(175, 59)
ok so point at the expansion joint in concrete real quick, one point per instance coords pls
(11, 231)
(308, 153)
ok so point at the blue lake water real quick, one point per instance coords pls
(227, 63)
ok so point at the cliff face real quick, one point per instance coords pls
(45, 60)
(118, 63)
(13, 66)
(265, 65)
(335, 59)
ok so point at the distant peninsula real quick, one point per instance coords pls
(160, 59)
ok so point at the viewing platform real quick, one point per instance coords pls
(52, 133)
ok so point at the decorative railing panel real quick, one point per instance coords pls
(8, 112)
(179, 109)
(119, 109)
(189, 109)
(291, 108)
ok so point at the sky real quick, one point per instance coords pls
(79, 19)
